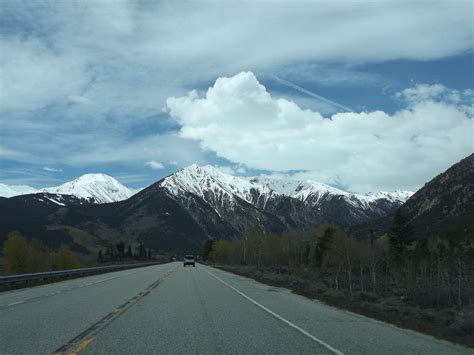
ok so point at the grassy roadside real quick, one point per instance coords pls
(453, 324)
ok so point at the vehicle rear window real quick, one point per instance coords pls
(189, 257)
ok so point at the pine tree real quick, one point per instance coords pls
(207, 249)
(400, 235)
(121, 249)
(141, 251)
(324, 235)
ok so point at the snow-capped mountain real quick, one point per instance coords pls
(314, 193)
(15, 190)
(180, 212)
(220, 203)
(216, 187)
(398, 195)
(98, 188)
(335, 205)
(243, 202)
(94, 188)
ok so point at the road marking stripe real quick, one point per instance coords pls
(284, 320)
(99, 281)
(14, 303)
(114, 314)
(82, 346)
(65, 290)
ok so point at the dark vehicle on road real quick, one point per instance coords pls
(189, 260)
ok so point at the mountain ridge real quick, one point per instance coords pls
(296, 204)
(93, 187)
(102, 188)
(446, 202)
(184, 209)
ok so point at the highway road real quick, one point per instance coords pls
(171, 309)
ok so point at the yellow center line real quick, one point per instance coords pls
(116, 313)
(82, 345)
(168, 274)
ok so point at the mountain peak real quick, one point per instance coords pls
(94, 177)
(203, 170)
(200, 180)
(99, 188)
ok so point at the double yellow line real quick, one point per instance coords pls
(79, 343)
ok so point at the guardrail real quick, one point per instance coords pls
(11, 280)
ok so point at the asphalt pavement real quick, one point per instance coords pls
(169, 309)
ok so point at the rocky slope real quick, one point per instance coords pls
(446, 203)
(225, 205)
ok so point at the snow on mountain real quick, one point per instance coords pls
(291, 202)
(314, 193)
(96, 188)
(15, 190)
(296, 188)
(99, 188)
(398, 195)
(215, 188)
(212, 185)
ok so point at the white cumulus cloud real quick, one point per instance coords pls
(155, 165)
(240, 121)
(52, 170)
(436, 92)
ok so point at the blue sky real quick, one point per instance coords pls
(88, 86)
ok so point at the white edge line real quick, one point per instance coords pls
(301, 330)
(80, 286)
(395, 327)
(14, 303)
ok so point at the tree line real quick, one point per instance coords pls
(431, 271)
(121, 251)
(22, 255)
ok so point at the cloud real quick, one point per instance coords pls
(234, 169)
(32, 76)
(439, 92)
(52, 170)
(240, 121)
(77, 77)
(422, 92)
(155, 165)
(88, 50)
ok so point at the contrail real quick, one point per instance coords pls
(307, 92)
